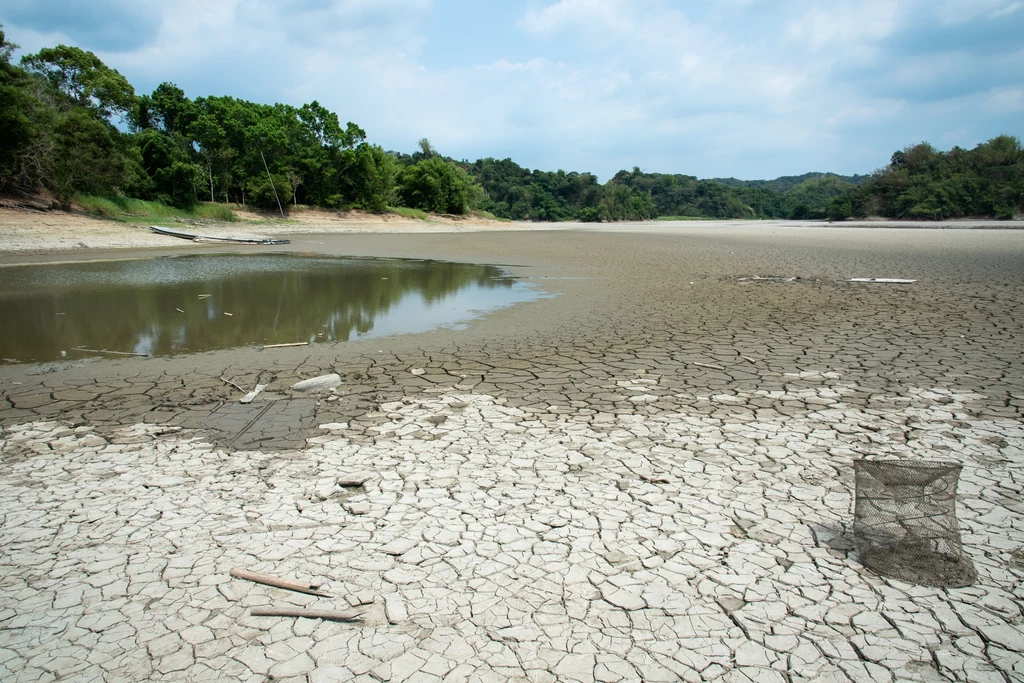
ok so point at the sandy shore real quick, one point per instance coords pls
(645, 477)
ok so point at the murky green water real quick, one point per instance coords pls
(200, 303)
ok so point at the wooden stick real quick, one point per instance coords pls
(708, 365)
(749, 360)
(287, 584)
(281, 346)
(231, 383)
(330, 614)
(117, 353)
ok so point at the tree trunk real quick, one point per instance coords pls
(209, 168)
(272, 186)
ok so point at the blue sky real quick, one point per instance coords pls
(744, 88)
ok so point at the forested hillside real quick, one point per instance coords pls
(922, 182)
(73, 128)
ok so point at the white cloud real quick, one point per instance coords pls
(749, 88)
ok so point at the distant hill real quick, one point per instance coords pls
(787, 182)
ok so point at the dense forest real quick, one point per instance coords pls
(72, 128)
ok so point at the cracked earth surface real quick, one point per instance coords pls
(647, 477)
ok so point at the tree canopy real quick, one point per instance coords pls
(70, 124)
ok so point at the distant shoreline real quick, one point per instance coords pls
(28, 236)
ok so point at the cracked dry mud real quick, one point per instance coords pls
(640, 479)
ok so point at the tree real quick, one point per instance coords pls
(437, 185)
(425, 148)
(83, 79)
(18, 127)
(377, 171)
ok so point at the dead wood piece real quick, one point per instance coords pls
(281, 346)
(709, 365)
(227, 381)
(749, 360)
(328, 614)
(318, 383)
(116, 353)
(287, 584)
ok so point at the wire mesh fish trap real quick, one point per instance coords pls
(905, 522)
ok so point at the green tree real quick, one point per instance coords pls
(378, 172)
(19, 129)
(437, 185)
(82, 78)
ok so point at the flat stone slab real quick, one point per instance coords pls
(275, 425)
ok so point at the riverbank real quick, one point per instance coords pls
(645, 477)
(24, 231)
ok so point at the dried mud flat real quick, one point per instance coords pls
(647, 477)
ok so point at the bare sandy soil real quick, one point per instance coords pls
(32, 231)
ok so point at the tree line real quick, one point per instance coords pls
(71, 125)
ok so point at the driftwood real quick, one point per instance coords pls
(287, 584)
(170, 232)
(749, 360)
(228, 314)
(227, 381)
(281, 346)
(708, 365)
(252, 394)
(116, 353)
(318, 383)
(329, 614)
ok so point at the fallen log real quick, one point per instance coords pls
(281, 346)
(318, 383)
(328, 614)
(287, 584)
(170, 232)
(709, 365)
(116, 353)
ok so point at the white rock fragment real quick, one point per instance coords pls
(358, 507)
(394, 608)
(399, 546)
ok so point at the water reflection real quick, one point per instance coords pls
(200, 303)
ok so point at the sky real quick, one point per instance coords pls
(712, 88)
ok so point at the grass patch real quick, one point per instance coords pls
(688, 218)
(217, 212)
(128, 209)
(480, 213)
(408, 213)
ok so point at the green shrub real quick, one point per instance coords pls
(261, 192)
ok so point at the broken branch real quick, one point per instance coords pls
(287, 584)
(329, 614)
(227, 381)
